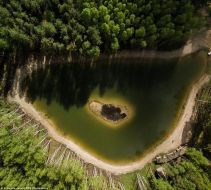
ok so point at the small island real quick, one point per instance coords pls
(110, 112)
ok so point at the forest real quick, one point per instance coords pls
(23, 158)
(193, 172)
(89, 28)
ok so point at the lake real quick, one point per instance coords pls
(155, 90)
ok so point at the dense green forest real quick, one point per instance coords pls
(193, 172)
(90, 27)
(23, 159)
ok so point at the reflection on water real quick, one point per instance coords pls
(155, 89)
(72, 84)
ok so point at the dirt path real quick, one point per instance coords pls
(171, 142)
(200, 41)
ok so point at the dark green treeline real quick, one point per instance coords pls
(88, 27)
(23, 159)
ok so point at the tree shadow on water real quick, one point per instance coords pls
(9, 63)
(72, 84)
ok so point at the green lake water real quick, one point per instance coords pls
(154, 89)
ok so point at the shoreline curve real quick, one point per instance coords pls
(172, 141)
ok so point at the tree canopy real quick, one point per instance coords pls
(23, 160)
(192, 173)
(90, 27)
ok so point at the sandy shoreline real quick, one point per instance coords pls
(200, 41)
(171, 142)
(189, 48)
